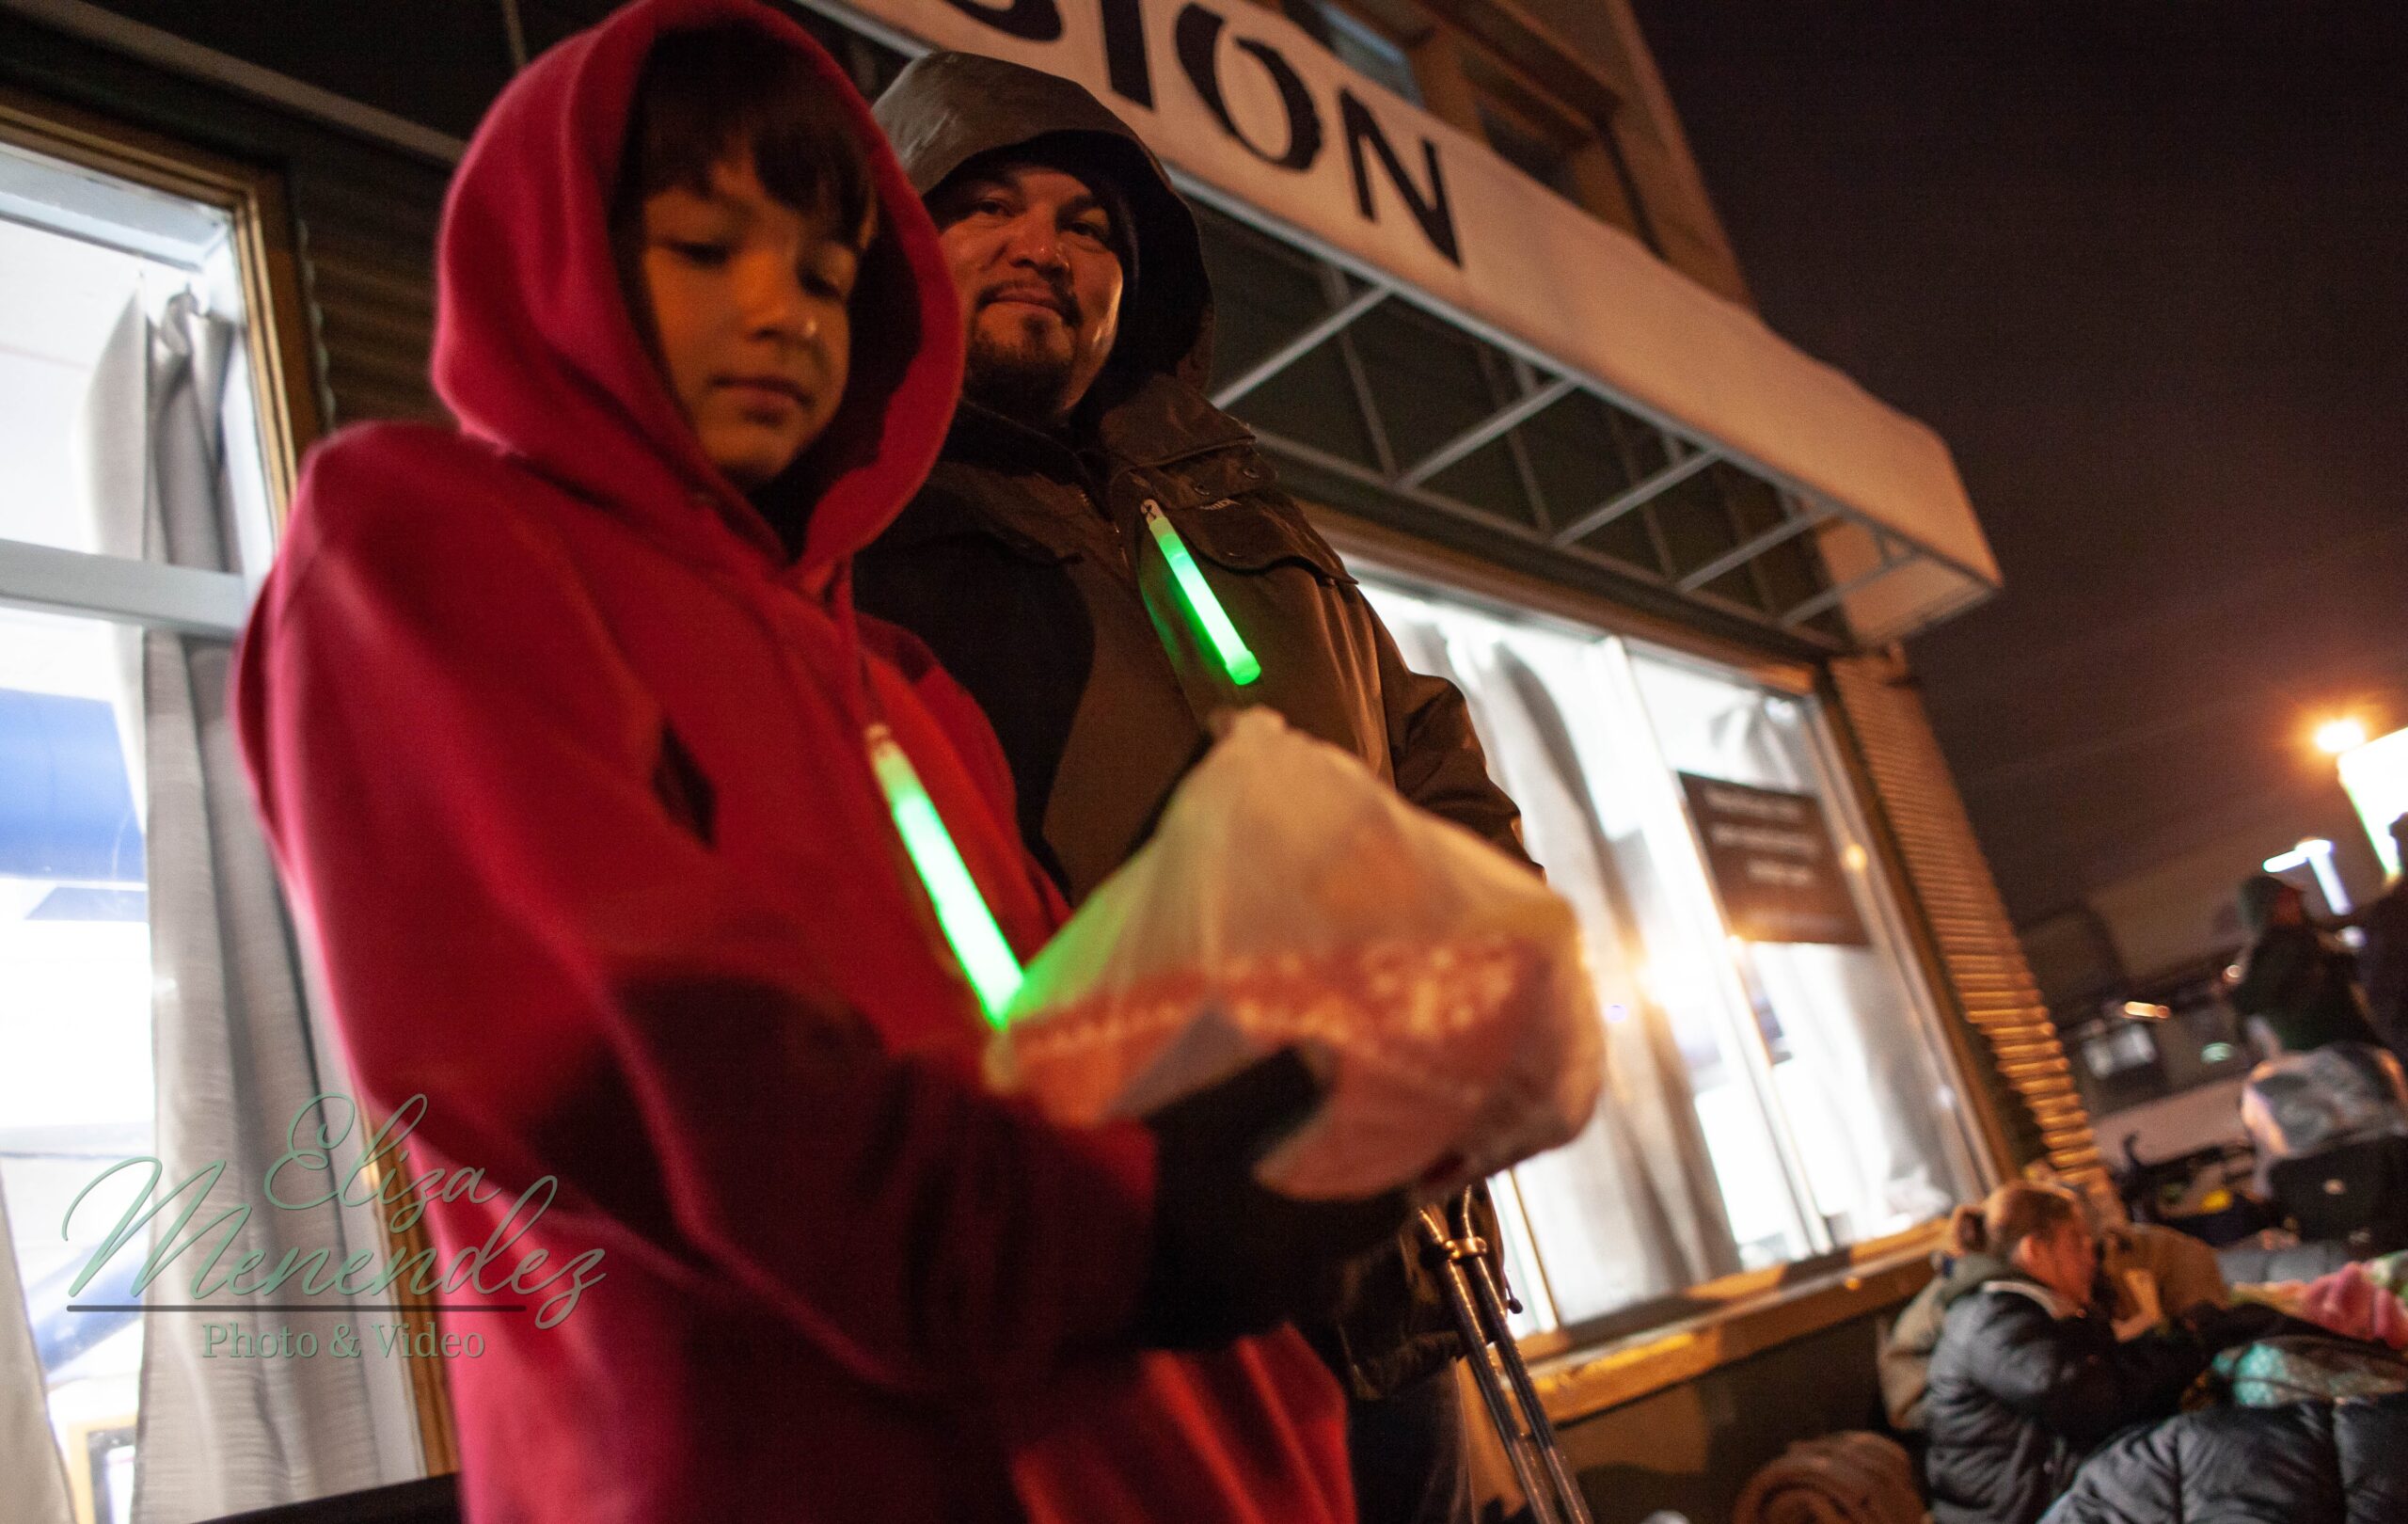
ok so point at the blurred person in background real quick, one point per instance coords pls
(2028, 1375)
(2298, 985)
(2146, 1273)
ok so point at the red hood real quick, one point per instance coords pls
(535, 351)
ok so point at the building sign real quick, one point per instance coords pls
(1771, 858)
(1244, 101)
(1243, 97)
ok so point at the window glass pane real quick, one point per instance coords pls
(75, 1085)
(1544, 161)
(1585, 453)
(1862, 1085)
(120, 307)
(1676, 1180)
(1764, 1103)
(1269, 294)
(1359, 45)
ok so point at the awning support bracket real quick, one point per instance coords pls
(1523, 408)
(1839, 593)
(1614, 507)
(1320, 332)
(1730, 561)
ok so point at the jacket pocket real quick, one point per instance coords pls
(1241, 536)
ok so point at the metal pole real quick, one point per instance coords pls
(1504, 1381)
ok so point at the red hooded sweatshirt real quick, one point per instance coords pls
(563, 759)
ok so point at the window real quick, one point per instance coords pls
(1360, 44)
(1568, 150)
(1767, 1100)
(1436, 64)
(1530, 146)
(153, 1007)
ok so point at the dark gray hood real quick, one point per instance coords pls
(948, 109)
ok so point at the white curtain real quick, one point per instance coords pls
(1630, 1209)
(35, 1489)
(237, 1055)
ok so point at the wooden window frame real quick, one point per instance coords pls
(276, 316)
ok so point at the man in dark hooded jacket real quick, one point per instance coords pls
(1032, 564)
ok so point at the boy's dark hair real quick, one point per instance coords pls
(710, 92)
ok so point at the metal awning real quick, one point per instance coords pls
(1871, 582)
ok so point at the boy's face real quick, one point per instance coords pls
(749, 320)
(1031, 251)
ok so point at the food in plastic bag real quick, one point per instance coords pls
(1290, 896)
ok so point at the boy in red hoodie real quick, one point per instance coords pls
(564, 726)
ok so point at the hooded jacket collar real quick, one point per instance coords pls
(1965, 1273)
(536, 353)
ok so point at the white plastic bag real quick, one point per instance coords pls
(1289, 896)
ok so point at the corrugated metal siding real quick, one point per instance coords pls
(367, 265)
(1971, 936)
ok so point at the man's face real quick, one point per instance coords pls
(749, 316)
(1031, 249)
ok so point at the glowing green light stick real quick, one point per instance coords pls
(1197, 594)
(962, 910)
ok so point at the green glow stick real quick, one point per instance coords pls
(1201, 604)
(962, 909)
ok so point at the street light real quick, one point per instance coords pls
(2344, 734)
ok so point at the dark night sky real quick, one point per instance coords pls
(2145, 266)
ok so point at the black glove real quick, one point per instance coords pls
(1229, 1257)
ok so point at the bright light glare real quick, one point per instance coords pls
(2376, 776)
(2316, 854)
(2334, 736)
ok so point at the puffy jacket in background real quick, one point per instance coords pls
(2024, 1387)
(1905, 1360)
(2181, 1271)
(2304, 1463)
